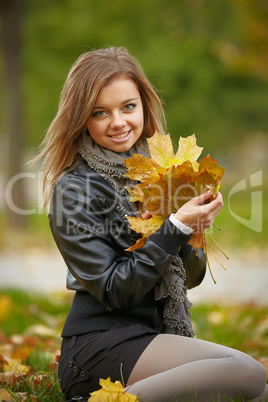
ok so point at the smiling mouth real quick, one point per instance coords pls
(121, 135)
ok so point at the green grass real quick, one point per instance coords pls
(243, 327)
(30, 335)
(47, 391)
(24, 309)
(32, 324)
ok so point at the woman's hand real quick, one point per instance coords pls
(200, 212)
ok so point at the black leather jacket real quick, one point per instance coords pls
(87, 219)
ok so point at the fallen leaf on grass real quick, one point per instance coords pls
(5, 396)
(22, 353)
(41, 379)
(26, 397)
(9, 378)
(41, 330)
(15, 366)
(5, 350)
(112, 392)
(16, 376)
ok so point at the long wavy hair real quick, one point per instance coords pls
(91, 71)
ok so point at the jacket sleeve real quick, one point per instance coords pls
(116, 278)
(194, 262)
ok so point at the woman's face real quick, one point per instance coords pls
(116, 121)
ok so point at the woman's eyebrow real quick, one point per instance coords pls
(129, 100)
(124, 102)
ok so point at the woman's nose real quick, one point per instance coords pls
(117, 121)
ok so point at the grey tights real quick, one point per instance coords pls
(184, 369)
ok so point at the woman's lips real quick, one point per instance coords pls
(121, 137)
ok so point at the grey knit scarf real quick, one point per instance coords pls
(170, 289)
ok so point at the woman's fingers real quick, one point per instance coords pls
(215, 205)
(210, 211)
(199, 213)
(204, 198)
(146, 215)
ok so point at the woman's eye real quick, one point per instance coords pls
(99, 113)
(129, 107)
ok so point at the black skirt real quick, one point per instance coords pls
(87, 358)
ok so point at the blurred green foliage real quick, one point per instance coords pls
(243, 327)
(197, 53)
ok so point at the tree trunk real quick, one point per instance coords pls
(11, 11)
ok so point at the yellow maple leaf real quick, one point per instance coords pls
(15, 365)
(112, 392)
(138, 193)
(146, 227)
(161, 148)
(141, 168)
(188, 150)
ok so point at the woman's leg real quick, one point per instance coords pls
(263, 397)
(174, 366)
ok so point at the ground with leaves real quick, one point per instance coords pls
(30, 345)
(30, 339)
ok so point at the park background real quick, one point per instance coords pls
(208, 59)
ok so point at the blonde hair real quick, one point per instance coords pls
(91, 71)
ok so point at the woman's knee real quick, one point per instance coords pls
(258, 378)
(251, 375)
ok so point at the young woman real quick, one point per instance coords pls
(130, 315)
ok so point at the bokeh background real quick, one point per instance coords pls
(209, 61)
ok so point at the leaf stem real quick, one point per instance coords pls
(221, 250)
(210, 249)
(209, 267)
(214, 280)
(217, 227)
(121, 374)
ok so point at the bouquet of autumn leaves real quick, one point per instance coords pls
(167, 181)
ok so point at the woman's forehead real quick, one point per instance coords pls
(118, 89)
